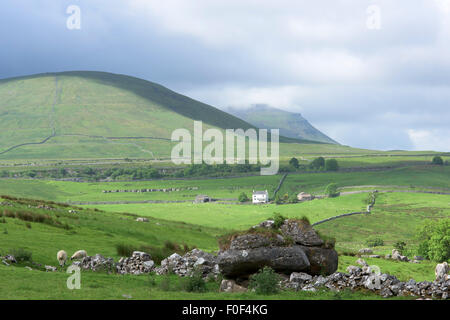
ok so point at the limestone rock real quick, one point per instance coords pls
(231, 286)
(239, 263)
(301, 233)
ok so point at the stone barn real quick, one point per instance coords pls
(303, 196)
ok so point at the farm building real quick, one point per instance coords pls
(303, 196)
(260, 196)
(201, 198)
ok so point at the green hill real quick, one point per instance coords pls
(97, 115)
(291, 125)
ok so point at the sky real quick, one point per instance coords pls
(368, 73)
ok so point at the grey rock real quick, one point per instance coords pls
(300, 277)
(322, 260)
(231, 286)
(233, 263)
(441, 271)
(365, 251)
(301, 233)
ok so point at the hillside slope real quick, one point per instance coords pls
(97, 115)
(291, 125)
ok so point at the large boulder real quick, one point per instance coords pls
(301, 233)
(294, 247)
(242, 263)
(322, 261)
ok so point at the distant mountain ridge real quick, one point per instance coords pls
(291, 124)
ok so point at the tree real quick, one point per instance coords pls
(437, 160)
(243, 197)
(331, 165)
(400, 246)
(318, 163)
(278, 199)
(435, 240)
(331, 190)
(294, 162)
(293, 199)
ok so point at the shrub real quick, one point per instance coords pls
(293, 199)
(400, 246)
(435, 240)
(125, 250)
(243, 197)
(21, 254)
(266, 281)
(172, 246)
(195, 282)
(374, 242)
(437, 160)
(331, 165)
(278, 199)
(294, 163)
(278, 220)
(28, 225)
(331, 190)
(164, 285)
(318, 163)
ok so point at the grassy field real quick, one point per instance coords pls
(242, 216)
(395, 217)
(99, 232)
(21, 283)
(227, 188)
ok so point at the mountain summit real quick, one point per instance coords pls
(291, 125)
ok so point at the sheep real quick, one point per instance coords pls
(62, 257)
(79, 255)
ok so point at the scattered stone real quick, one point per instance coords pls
(127, 296)
(50, 269)
(363, 278)
(397, 256)
(366, 251)
(231, 286)
(10, 259)
(362, 262)
(142, 220)
(185, 265)
(419, 258)
(441, 271)
(27, 267)
(300, 277)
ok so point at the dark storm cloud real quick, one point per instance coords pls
(390, 86)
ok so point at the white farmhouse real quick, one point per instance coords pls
(260, 196)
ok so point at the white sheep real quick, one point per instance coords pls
(62, 257)
(79, 255)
